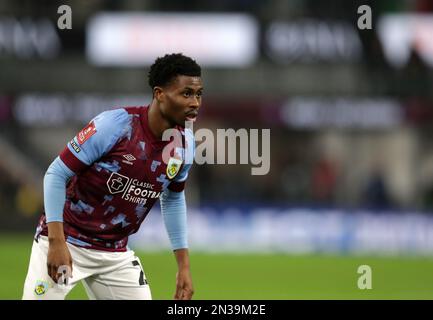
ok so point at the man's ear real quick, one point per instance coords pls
(158, 93)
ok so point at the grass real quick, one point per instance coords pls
(253, 276)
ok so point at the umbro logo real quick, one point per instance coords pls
(129, 158)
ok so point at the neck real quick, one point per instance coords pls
(156, 121)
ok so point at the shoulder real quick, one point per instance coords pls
(112, 122)
(112, 117)
(107, 128)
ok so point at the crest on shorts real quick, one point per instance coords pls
(41, 287)
(173, 167)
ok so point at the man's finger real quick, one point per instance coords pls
(179, 293)
(52, 272)
(188, 294)
(49, 271)
(55, 275)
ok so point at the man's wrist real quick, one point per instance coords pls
(182, 259)
(55, 232)
(183, 267)
(56, 240)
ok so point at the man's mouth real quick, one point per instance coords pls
(191, 116)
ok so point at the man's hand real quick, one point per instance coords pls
(59, 260)
(184, 288)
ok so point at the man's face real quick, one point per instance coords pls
(181, 99)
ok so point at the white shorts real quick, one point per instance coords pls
(105, 275)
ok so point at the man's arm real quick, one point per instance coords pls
(173, 209)
(97, 138)
(55, 181)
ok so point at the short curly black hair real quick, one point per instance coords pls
(166, 68)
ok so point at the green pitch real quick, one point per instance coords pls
(253, 276)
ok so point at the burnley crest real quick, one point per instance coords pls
(173, 167)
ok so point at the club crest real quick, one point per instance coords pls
(41, 287)
(173, 167)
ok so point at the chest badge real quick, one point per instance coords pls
(173, 167)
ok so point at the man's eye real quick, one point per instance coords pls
(187, 94)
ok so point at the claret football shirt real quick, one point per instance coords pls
(119, 175)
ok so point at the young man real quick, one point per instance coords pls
(103, 184)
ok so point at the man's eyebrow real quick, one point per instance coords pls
(192, 89)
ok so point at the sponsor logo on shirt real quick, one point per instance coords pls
(132, 190)
(86, 133)
(117, 183)
(74, 146)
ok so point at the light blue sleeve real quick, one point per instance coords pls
(110, 126)
(188, 156)
(55, 180)
(173, 209)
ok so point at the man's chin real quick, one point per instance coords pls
(186, 123)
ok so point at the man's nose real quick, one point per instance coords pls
(195, 103)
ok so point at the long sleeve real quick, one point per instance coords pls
(97, 138)
(173, 209)
(55, 180)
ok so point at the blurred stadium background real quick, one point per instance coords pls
(350, 113)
